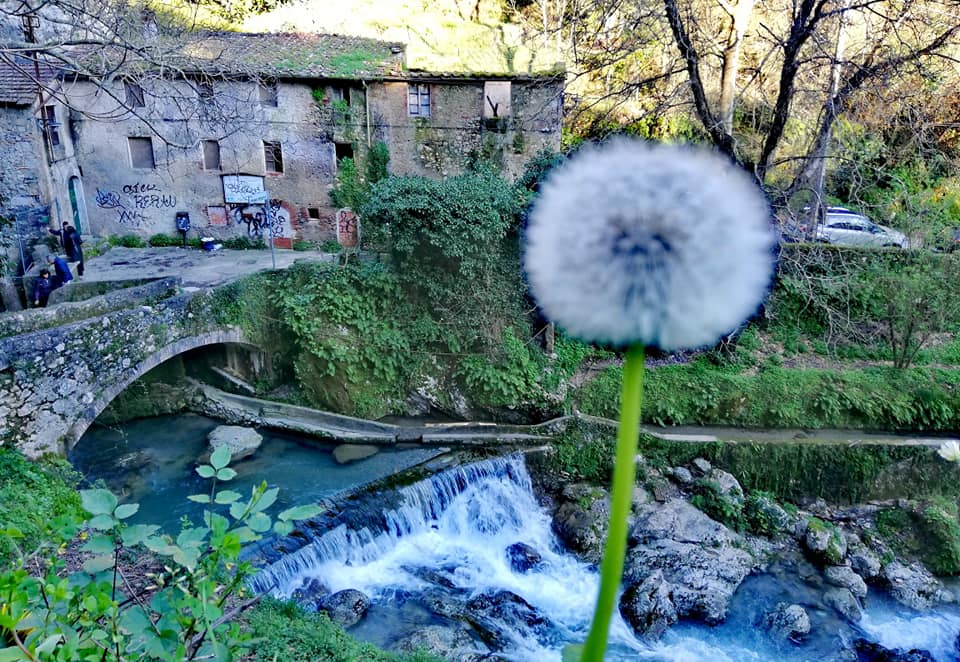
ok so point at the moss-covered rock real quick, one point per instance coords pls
(824, 541)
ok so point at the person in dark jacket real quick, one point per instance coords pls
(72, 244)
(63, 275)
(42, 289)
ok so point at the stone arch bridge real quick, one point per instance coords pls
(55, 381)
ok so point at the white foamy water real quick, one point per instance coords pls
(457, 525)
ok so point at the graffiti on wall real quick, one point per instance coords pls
(133, 199)
(348, 228)
(263, 220)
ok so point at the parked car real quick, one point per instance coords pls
(848, 228)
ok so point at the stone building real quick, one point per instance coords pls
(244, 133)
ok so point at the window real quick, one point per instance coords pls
(418, 100)
(51, 126)
(340, 93)
(134, 94)
(205, 91)
(272, 157)
(313, 213)
(211, 155)
(496, 99)
(343, 151)
(141, 153)
(267, 93)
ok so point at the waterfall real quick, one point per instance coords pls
(423, 503)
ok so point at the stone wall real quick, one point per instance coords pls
(55, 382)
(20, 186)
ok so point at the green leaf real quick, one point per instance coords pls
(186, 557)
(138, 533)
(267, 500)
(220, 457)
(102, 522)
(206, 471)
(226, 474)
(300, 512)
(283, 528)
(12, 654)
(98, 564)
(227, 496)
(259, 522)
(245, 534)
(49, 644)
(237, 509)
(572, 652)
(200, 498)
(99, 544)
(98, 502)
(193, 537)
(135, 621)
(126, 510)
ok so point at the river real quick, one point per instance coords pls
(448, 540)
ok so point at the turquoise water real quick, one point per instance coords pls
(152, 462)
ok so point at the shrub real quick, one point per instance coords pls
(718, 506)
(128, 241)
(303, 245)
(242, 243)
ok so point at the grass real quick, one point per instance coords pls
(33, 494)
(287, 633)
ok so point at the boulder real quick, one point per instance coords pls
(844, 577)
(581, 521)
(242, 442)
(727, 484)
(500, 617)
(449, 643)
(913, 586)
(867, 651)
(648, 606)
(698, 557)
(788, 621)
(523, 557)
(345, 607)
(310, 593)
(345, 453)
(700, 467)
(824, 542)
(863, 560)
(681, 475)
(844, 602)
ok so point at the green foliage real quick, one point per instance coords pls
(33, 495)
(584, 457)
(286, 633)
(164, 240)
(779, 397)
(348, 191)
(719, 506)
(352, 189)
(304, 245)
(243, 243)
(331, 246)
(89, 615)
(929, 532)
(128, 241)
(760, 513)
(506, 379)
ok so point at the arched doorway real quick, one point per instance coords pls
(78, 209)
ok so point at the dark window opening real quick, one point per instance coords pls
(340, 93)
(50, 125)
(267, 93)
(343, 151)
(313, 213)
(211, 155)
(273, 157)
(134, 95)
(141, 153)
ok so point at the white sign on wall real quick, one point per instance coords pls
(243, 188)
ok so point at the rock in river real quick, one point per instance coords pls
(242, 442)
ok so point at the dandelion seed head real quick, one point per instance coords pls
(637, 242)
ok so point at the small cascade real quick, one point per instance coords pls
(423, 503)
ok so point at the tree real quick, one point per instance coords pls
(136, 59)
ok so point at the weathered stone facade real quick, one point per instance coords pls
(55, 382)
(252, 147)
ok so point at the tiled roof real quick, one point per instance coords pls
(296, 55)
(18, 84)
(421, 74)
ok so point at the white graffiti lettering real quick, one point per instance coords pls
(154, 201)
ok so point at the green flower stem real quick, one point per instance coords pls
(624, 472)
